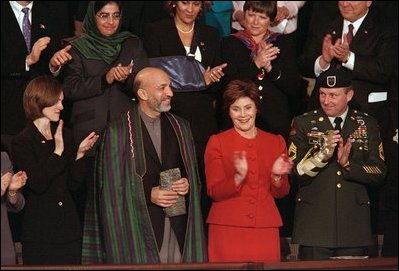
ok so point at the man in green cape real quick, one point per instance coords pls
(125, 221)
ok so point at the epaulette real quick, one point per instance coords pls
(309, 114)
(364, 115)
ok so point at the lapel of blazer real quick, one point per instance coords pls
(173, 39)
(336, 29)
(180, 50)
(39, 25)
(39, 142)
(204, 47)
(11, 25)
(363, 32)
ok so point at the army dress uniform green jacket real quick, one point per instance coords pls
(333, 207)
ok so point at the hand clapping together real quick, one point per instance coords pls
(119, 73)
(265, 54)
(215, 74)
(339, 50)
(84, 146)
(12, 183)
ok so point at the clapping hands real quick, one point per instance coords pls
(60, 58)
(282, 165)
(240, 165)
(38, 47)
(265, 54)
(340, 50)
(84, 146)
(13, 182)
(214, 75)
(343, 151)
(18, 180)
(59, 139)
(87, 144)
(119, 73)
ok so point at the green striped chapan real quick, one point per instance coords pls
(117, 227)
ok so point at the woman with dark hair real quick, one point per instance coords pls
(99, 78)
(182, 35)
(262, 56)
(246, 168)
(51, 231)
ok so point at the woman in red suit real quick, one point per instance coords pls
(246, 169)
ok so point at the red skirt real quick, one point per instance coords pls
(240, 244)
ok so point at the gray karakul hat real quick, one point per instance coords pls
(335, 78)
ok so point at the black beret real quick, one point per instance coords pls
(335, 78)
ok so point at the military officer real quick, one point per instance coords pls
(337, 153)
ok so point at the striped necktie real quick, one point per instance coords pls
(26, 28)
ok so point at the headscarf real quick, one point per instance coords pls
(93, 45)
(250, 43)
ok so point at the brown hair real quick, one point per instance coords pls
(41, 92)
(237, 89)
(170, 6)
(269, 8)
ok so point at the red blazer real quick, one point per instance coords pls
(252, 204)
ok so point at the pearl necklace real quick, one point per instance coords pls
(185, 32)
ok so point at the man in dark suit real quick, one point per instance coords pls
(337, 153)
(20, 63)
(370, 53)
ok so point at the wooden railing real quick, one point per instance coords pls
(362, 264)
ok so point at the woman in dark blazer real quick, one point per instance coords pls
(262, 56)
(175, 36)
(51, 231)
(99, 78)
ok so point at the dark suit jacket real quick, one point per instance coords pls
(94, 101)
(14, 77)
(376, 51)
(50, 215)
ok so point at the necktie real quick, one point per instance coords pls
(349, 35)
(26, 28)
(337, 126)
(338, 122)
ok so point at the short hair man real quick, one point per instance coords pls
(125, 221)
(337, 153)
